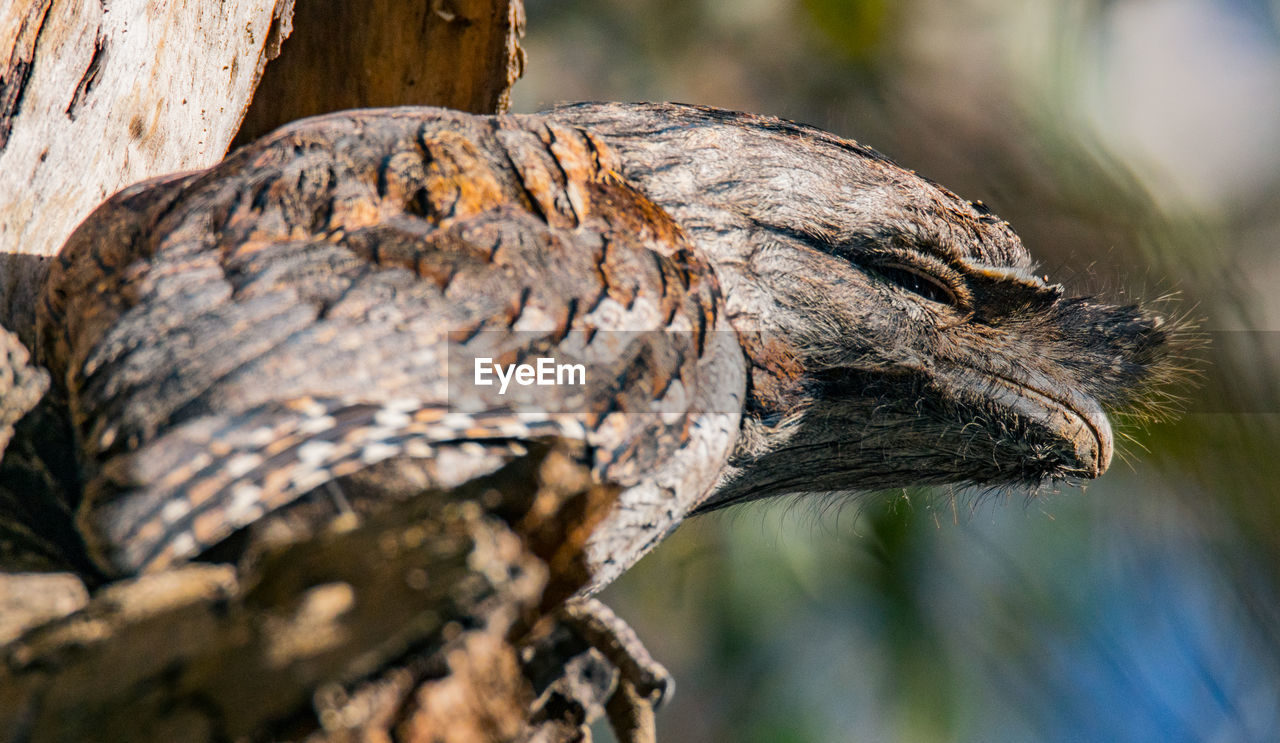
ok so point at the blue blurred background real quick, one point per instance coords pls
(1135, 146)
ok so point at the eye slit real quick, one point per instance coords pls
(916, 281)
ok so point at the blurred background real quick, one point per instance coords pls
(1135, 146)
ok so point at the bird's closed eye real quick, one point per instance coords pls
(917, 281)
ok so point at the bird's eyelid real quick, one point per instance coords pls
(1011, 289)
(929, 268)
(1022, 279)
(1010, 274)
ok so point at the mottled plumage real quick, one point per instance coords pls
(763, 308)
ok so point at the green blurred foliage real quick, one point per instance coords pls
(856, 28)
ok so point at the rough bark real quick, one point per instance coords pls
(95, 96)
(409, 626)
(21, 384)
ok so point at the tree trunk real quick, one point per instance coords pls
(461, 54)
(96, 95)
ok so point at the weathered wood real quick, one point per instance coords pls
(21, 384)
(462, 54)
(407, 625)
(95, 95)
(30, 599)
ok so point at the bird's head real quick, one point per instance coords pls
(897, 334)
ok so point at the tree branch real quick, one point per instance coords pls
(409, 625)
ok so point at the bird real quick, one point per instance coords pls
(757, 307)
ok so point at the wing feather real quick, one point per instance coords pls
(234, 339)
